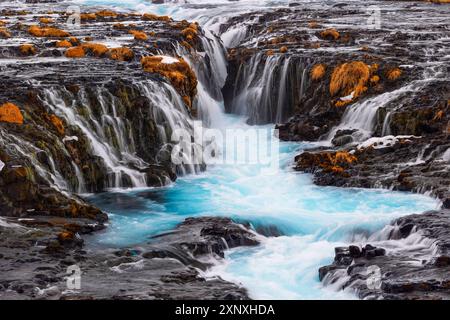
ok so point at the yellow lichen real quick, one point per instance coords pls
(10, 113)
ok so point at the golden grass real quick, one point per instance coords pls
(393, 74)
(138, 35)
(75, 52)
(4, 33)
(349, 77)
(63, 44)
(318, 71)
(45, 20)
(96, 49)
(57, 123)
(10, 113)
(154, 17)
(180, 74)
(27, 49)
(121, 54)
(330, 34)
(47, 32)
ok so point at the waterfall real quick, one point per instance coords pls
(362, 115)
(266, 88)
(111, 134)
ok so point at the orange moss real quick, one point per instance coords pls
(4, 33)
(88, 38)
(284, 49)
(349, 77)
(106, 13)
(75, 52)
(374, 79)
(57, 123)
(10, 113)
(74, 40)
(47, 32)
(439, 115)
(179, 73)
(154, 17)
(269, 52)
(190, 32)
(2, 23)
(63, 44)
(330, 34)
(27, 49)
(66, 235)
(96, 49)
(121, 54)
(46, 20)
(318, 71)
(393, 74)
(138, 35)
(119, 26)
(88, 16)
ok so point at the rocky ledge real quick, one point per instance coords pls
(167, 267)
(412, 261)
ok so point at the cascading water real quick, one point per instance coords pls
(312, 219)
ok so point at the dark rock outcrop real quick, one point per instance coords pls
(35, 261)
(398, 272)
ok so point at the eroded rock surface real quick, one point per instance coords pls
(418, 269)
(167, 267)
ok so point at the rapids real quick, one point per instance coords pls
(311, 220)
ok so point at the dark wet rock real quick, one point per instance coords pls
(375, 272)
(203, 236)
(167, 267)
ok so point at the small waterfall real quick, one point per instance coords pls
(266, 88)
(103, 120)
(103, 132)
(362, 115)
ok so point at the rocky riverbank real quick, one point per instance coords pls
(34, 263)
(411, 262)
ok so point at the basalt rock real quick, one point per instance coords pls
(396, 272)
(167, 267)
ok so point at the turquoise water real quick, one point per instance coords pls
(313, 220)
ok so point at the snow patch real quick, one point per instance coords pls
(168, 59)
(349, 97)
(384, 142)
(70, 138)
(2, 165)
